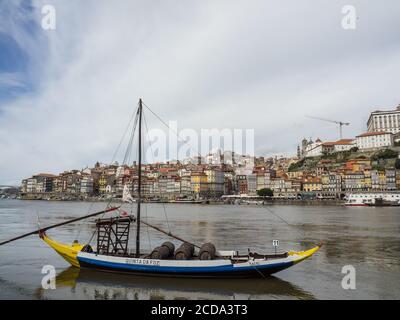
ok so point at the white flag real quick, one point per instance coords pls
(126, 195)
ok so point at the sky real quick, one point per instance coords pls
(66, 95)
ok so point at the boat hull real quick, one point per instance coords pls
(217, 268)
(220, 268)
(222, 273)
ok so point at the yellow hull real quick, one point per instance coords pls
(68, 252)
(304, 254)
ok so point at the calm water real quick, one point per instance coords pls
(367, 238)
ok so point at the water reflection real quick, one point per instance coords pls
(88, 284)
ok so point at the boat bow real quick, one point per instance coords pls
(299, 256)
(68, 252)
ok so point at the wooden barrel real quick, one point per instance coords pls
(165, 251)
(207, 252)
(159, 253)
(170, 246)
(184, 252)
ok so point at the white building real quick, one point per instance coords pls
(120, 171)
(243, 160)
(318, 148)
(310, 148)
(374, 140)
(87, 185)
(193, 160)
(31, 185)
(245, 171)
(343, 145)
(229, 157)
(213, 158)
(316, 151)
(387, 121)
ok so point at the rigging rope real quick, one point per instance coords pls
(81, 226)
(123, 137)
(147, 228)
(128, 151)
(169, 128)
(302, 235)
(152, 152)
(136, 112)
(102, 216)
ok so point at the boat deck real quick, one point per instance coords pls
(234, 259)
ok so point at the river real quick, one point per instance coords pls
(366, 238)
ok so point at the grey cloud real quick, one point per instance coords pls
(209, 64)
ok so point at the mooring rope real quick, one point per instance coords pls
(302, 235)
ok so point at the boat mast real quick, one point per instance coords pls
(139, 182)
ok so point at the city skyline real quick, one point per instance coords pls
(66, 94)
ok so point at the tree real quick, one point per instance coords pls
(384, 154)
(354, 149)
(296, 165)
(397, 164)
(266, 192)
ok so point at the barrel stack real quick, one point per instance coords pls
(165, 251)
(207, 251)
(185, 251)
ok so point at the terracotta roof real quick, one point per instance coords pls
(339, 142)
(344, 141)
(46, 175)
(373, 133)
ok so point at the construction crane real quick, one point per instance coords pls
(340, 123)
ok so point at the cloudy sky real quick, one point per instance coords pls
(66, 95)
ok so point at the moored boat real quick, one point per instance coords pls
(364, 199)
(229, 264)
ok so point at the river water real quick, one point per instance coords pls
(366, 238)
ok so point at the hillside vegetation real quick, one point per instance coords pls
(386, 158)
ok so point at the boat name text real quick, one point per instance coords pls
(143, 261)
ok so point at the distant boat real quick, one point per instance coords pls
(189, 201)
(379, 199)
(253, 202)
(379, 202)
(111, 253)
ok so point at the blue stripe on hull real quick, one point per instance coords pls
(192, 270)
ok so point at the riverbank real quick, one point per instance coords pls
(272, 201)
(297, 202)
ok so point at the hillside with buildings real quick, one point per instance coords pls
(322, 169)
